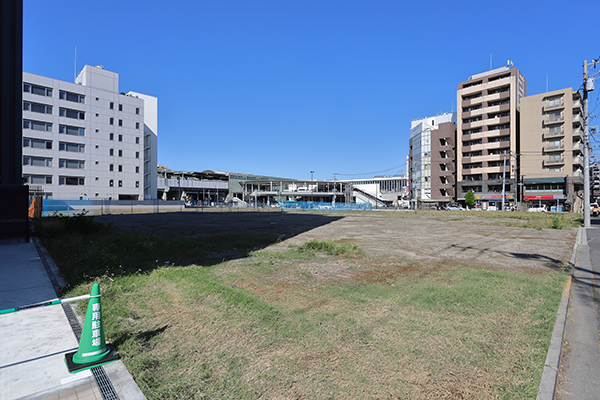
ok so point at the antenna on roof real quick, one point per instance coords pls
(75, 68)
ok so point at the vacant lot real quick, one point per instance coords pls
(352, 305)
(474, 238)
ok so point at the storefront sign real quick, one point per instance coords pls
(545, 197)
(493, 197)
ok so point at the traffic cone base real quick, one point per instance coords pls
(93, 350)
(74, 367)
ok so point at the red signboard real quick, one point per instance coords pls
(545, 197)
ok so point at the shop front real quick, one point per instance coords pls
(546, 192)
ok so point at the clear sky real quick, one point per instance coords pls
(284, 87)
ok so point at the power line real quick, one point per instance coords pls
(375, 172)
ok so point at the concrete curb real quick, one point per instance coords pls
(552, 363)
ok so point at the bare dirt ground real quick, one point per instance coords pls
(469, 239)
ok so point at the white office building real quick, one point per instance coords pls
(86, 140)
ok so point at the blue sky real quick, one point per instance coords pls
(285, 87)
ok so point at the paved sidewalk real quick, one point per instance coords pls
(580, 361)
(34, 341)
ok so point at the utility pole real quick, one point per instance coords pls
(586, 149)
(504, 180)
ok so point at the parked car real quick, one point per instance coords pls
(538, 209)
(454, 207)
(595, 210)
(492, 208)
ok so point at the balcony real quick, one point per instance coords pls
(578, 146)
(552, 133)
(553, 160)
(578, 160)
(554, 146)
(577, 132)
(554, 119)
(577, 104)
(577, 119)
(554, 104)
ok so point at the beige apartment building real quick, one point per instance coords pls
(551, 148)
(487, 124)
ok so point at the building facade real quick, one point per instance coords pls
(488, 133)
(431, 161)
(86, 140)
(380, 191)
(551, 153)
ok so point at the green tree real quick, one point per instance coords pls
(470, 199)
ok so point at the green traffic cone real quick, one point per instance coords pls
(93, 350)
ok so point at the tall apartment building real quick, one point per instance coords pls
(431, 161)
(487, 128)
(552, 147)
(85, 140)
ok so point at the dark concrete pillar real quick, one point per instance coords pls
(11, 92)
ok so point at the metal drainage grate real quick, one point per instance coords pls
(106, 388)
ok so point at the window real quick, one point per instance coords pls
(137, 154)
(36, 107)
(111, 105)
(120, 168)
(72, 147)
(137, 184)
(499, 90)
(37, 143)
(120, 107)
(137, 125)
(137, 111)
(38, 179)
(120, 138)
(111, 167)
(37, 126)
(39, 90)
(137, 169)
(111, 121)
(66, 112)
(120, 183)
(111, 183)
(74, 97)
(111, 152)
(37, 161)
(71, 130)
(137, 140)
(120, 122)
(71, 180)
(111, 136)
(72, 164)
(120, 153)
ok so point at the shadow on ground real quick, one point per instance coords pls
(116, 245)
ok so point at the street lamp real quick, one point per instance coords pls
(312, 189)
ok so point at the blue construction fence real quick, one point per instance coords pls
(98, 207)
(315, 205)
(94, 207)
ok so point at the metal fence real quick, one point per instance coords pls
(315, 205)
(103, 207)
